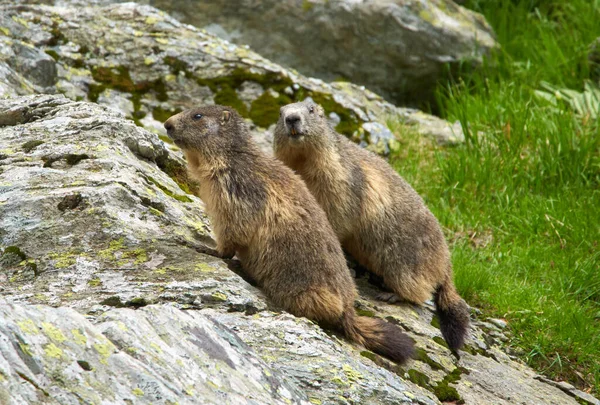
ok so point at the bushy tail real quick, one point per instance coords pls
(453, 314)
(378, 336)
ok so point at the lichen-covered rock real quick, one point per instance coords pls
(397, 48)
(148, 65)
(94, 206)
(97, 213)
(158, 355)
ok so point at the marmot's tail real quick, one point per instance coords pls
(379, 336)
(453, 314)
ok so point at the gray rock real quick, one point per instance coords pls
(396, 48)
(157, 354)
(148, 65)
(500, 323)
(95, 214)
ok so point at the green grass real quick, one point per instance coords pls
(520, 200)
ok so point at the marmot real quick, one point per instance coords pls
(378, 217)
(263, 213)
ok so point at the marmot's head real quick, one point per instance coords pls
(209, 130)
(301, 124)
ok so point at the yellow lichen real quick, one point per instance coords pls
(63, 260)
(156, 347)
(27, 326)
(20, 21)
(219, 296)
(5, 31)
(151, 20)
(315, 401)
(137, 392)
(53, 332)
(78, 337)
(113, 246)
(104, 350)
(53, 351)
(25, 348)
(95, 282)
(204, 267)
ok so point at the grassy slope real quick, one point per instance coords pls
(521, 199)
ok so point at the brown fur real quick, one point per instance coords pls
(262, 212)
(377, 216)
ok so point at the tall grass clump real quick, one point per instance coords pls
(520, 199)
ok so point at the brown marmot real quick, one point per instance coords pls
(377, 216)
(262, 212)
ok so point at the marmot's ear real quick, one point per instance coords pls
(225, 117)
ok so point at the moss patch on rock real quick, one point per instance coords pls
(179, 175)
(178, 197)
(31, 145)
(421, 355)
(444, 391)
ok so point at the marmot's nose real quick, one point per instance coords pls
(292, 119)
(169, 127)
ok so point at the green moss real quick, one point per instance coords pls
(73, 159)
(179, 174)
(137, 302)
(307, 5)
(52, 53)
(161, 115)
(440, 341)
(369, 355)
(57, 36)
(176, 65)
(118, 78)
(113, 301)
(418, 378)
(14, 250)
(228, 96)
(349, 123)
(224, 88)
(84, 365)
(31, 266)
(182, 198)
(364, 312)
(166, 139)
(446, 393)
(421, 355)
(435, 322)
(264, 111)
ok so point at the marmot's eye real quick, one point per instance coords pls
(197, 117)
(311, 109)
